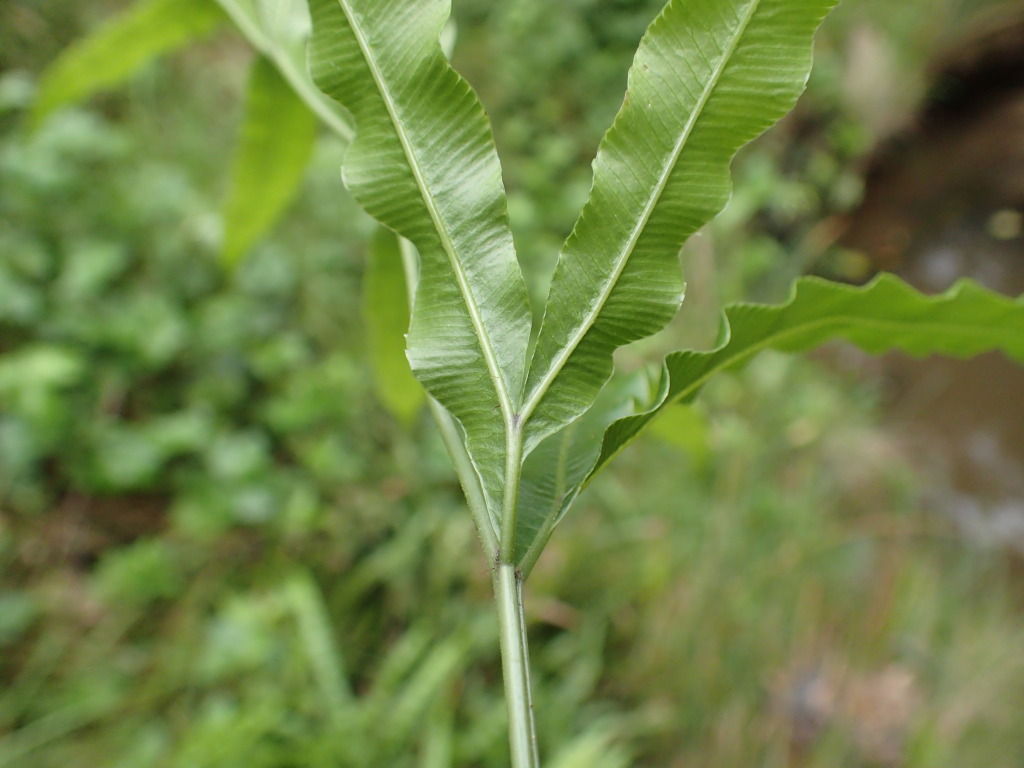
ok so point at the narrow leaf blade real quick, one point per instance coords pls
(386, 314)
(708, 76)
(275, 144)
(423, 163)
(883, 315)
(120, 48)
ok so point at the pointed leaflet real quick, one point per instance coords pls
(120, 47)
(276, 141)
(708, 76)
(423, 162)
(886, 314)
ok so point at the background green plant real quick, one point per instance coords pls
(177, 440)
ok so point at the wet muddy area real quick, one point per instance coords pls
(944, 199)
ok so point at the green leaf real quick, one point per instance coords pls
(120, 48)
(554, 472)
(279, 29)
(885, 314)
(423, 162)
(708, 76)
(386, 314)
(277, 137)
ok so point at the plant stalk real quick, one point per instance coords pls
(515, 662)
(508, 581)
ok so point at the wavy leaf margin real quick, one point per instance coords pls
(885, 314)
(423, 162)
(708, 76)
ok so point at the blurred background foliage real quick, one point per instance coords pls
(218, 548)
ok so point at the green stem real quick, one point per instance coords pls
(508, 580)
(515, 662)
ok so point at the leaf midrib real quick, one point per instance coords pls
(493, 368)
(558, 362)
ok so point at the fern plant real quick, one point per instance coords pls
(531, 414)
(529, 423)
